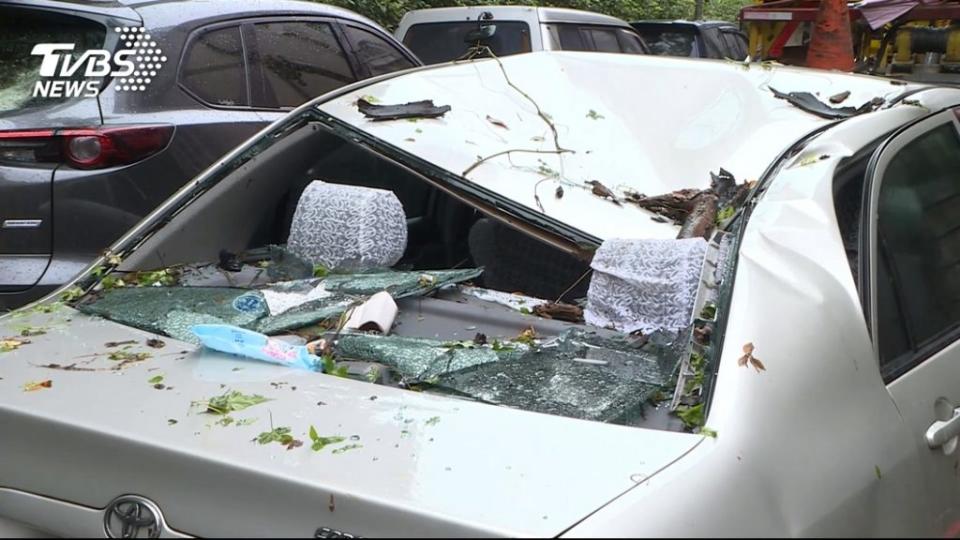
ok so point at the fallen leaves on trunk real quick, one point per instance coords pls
(319, 443)
(559, 311)
(279, 435)
(749, 358)
(33, 386)
(498, 123)
(232, 401)
(12, 344)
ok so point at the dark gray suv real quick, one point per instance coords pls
(123, 102)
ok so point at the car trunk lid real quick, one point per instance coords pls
(411, 464)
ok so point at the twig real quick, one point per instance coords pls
(507, 153)
(546, 119)
(575, 283)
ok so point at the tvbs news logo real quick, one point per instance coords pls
(132, 67)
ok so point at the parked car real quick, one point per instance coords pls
(694, 39)
(767, 346)
(443, 34)
(76, 172)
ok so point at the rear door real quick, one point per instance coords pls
(30, 112)
(913, 281)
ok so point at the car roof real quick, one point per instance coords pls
(562, 15)
(632, 137)
(682, 22)
(544, 14)
(171, 12)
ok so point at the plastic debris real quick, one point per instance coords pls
(415, 109)
(811, 104)
(242, 342)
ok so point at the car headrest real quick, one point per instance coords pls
(645, 285)
(348, 227)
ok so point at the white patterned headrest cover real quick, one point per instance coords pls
(645, 285)
(348, 227)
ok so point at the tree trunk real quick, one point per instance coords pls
(698, 10)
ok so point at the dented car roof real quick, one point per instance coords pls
(635, 124)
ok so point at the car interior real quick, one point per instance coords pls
(263, 203)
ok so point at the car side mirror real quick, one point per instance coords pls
(481, 34)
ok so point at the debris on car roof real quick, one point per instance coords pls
(810, 103)
(412, 110)
(695, 209)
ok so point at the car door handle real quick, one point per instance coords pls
(944, 431)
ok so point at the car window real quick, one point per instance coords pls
(213, 68)
(734, 43)
(604, 39)
(434, 43)
(666, 42)
(297, 61)
(630, 42)
(918, 247)
(20, 31)
(375, 52)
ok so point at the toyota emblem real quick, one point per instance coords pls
(131, 516)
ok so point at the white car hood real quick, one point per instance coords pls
(645, 124)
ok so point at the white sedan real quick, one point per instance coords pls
(625, 296)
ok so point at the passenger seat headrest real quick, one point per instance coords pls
(348, 228)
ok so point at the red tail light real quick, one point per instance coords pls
(84, 148)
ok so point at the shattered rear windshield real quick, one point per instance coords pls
(329, 258)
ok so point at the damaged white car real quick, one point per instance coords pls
(557, 294)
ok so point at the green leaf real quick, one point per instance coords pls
(691, 416)
(707, 432)
(320, 271)
(127, 356)
(233, 401)
(319, 443)
(155, 380)
(876, 469)
(71, 294)
(726, 213)
(593, 115)
(275, 435)
(433, 421)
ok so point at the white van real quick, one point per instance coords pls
(441, 34)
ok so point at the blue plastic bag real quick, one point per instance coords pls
(249, 344)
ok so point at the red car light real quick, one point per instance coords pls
(85, 148)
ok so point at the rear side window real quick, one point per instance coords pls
(666, 42)
(214, 68)
(296, 62)
(735, 43)
(20, 31)
(630, 43)
(918, 267)
(604, 39)
(376, 53)
(575, 37)
(434, 43)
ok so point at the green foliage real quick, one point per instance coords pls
(280, 435)
(232, 401)
(691, 416)
(389, 12)
(330, 367)
(320, 442)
